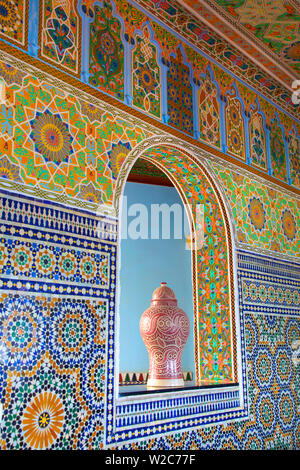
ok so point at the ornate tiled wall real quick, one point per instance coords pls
(265, 217)
(138, 52)
(64, 155)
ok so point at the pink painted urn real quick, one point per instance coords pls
(165, 329)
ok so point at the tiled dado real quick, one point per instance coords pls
(270, 287)
(132, 418)
(187, 410)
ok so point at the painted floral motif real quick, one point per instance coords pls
(146, 88)
(288, 224)
(133, 18)
(216, 362)
(197, 33)
(275, 23)
(87, 175)
(21, 258)
(51, 136)
(80, 168)
(257, 213)
(75, 330)
(90, 193)
(291, 53)
(87, 7)
(60, 33)
(11, 74)
(106, 52)
(43, 420)
(67, 264)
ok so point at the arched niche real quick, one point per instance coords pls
(212, 259)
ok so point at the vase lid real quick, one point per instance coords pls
(163, 294)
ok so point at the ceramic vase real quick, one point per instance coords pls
(165, 329)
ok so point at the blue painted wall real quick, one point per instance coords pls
(144, 264)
